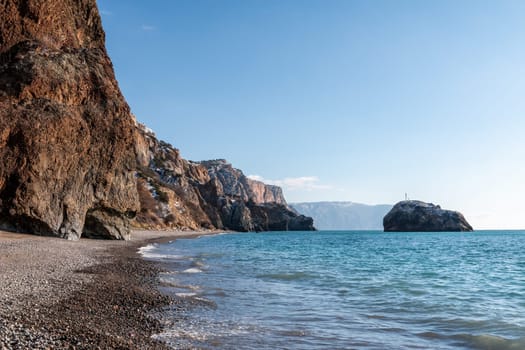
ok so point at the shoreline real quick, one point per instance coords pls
(85, 294)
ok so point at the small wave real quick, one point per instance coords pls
(163, 256)
(294, 333)
(148, 252)
(147, 248)
(490, 342)
(286, 276)
(192, 270)
(199, 263)
(185, 295)
(198, 300)
(200, 332)
(430, 335)
(168, 282)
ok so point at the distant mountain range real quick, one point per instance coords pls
(344, 215)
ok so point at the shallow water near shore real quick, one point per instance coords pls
(347, 290)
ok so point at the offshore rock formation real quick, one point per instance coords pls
(179, 194)
(417, 216)
(66, 132)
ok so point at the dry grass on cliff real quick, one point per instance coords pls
(147, 216)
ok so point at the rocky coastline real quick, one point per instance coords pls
(76, 163)
(175, 193)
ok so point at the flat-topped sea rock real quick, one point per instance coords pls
(417, 216)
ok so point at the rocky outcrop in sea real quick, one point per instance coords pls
(417, 216)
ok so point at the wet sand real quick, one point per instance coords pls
(88, 294)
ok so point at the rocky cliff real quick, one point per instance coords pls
(417, 216)
(66, 133)
(176, 193)
(235, 184)
(168, 186)
(74, 160)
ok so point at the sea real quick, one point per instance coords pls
(346, 290)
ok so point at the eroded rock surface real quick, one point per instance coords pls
(168, 186)
(235, 184)
(66, 132)
(176, 193)
(417, 216)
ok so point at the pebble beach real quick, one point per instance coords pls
(87, 294)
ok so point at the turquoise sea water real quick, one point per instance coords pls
(348, 290)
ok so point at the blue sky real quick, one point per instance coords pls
(338, 100)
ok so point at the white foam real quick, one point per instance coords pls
(192, 270)
(148, 252)
(185, 295)
(147, 248)
(175, 284)
(163, 256)
(201, 330)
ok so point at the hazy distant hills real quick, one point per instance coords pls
(344, 215)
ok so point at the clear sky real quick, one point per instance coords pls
(338, 100)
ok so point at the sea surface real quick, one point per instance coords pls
(347, 290)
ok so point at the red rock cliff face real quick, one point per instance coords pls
(66, 132)
(262, 193)
(235, 184)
